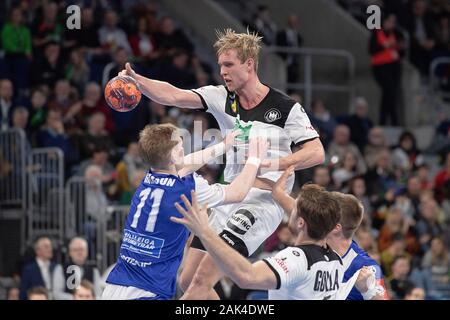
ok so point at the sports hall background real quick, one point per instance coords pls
(69, 163)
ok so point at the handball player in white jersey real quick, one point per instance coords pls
(257, 109)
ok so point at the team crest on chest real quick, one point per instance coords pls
(272, 115)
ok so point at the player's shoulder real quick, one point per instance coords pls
(315, 254)
(362, 258)
(212, 89)
(284, 102)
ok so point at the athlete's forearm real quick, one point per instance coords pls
(284, 200)
(311, 154)
(166, 94)
(196, 160)
(241, 185)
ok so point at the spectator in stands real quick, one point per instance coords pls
(359, 123)
(47, 29)
(16, 42)
(321, 177)
(48, 69)
(420, 27)
(290, 37)
(413, 292)
(88, 35)
(39, 108)
(40, 271)
(99, 158)
(127, 167)
(37, 293)
(77, 71)
(413, 191)
(63, 98)
(341, 144)
(111, 70)
(75, 271)
(53, 134)
(111, 36)
(91, 103)
(397, 222)
(176, 71)
(265, 26)
(381, 177)
(365, 240)
(169, 38)
(6, 103)
(396, 247)
(385, 46)
(406, 156)
(85, 291)
(428, 225)
(436, 260)
(442, 181)
(345, 170)
(143, 44)
(96, 135)
(399, 281)
(322, 121)
(20, 121)
(423, 174)
(357, 187)
(442, 36)
(377, 142)
(13, 293)
(135, 179)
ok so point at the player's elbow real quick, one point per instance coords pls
(244, 280)
(318, 151)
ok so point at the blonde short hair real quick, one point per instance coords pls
(247, 45)
(156, 143)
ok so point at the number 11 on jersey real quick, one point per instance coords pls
(156, 196)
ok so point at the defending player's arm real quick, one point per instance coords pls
(163, 92)
(368, 286)
(239, 269)
(196, 160)
(279, 193)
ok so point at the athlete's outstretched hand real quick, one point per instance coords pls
(280, 185)
(195, 217)
(229, 138)
(128, 71)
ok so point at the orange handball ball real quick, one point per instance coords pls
(122, 93)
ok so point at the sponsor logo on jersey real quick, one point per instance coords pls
(282, 264)
(326, 281)
(241, 221)
(135, 262)
(296, 253)
(272, 115)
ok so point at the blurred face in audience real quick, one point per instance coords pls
(437, 246)
(342, 135)
(87, 16)
(416, 294)
(400, 268)
(167, 26)
(38, 99)
(376, 137)
(52, 53)
(359, 187)
(82, 293)
(429, 209)
(20, 118)
(62, 88)
(6, 89)
(37, 296)
(364, 239)
(50, 12)
(121, 57)
(321, 177)
(383, 159)
(362, 108)
(419, 8)
(111, 19)
(389, 23)
(43, 249)
(92, 92)
(13, 294)
(414, 186)
(16, 16)
(97, 123)
(293, 21)
(78, 251)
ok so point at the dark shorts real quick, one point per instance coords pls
(229, 238)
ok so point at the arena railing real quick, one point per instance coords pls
(45, 193)
(308, 86)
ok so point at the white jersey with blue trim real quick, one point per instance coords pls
(152, 246)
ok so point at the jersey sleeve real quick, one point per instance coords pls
(289, 266)
(213, 195)
(298, 125)
(213, 98)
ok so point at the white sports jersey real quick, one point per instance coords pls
(306, 272)
(277, 117)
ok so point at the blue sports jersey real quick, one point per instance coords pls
(354, 259)
(152, 246)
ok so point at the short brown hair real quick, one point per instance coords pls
(247, 45)
(37, 290)
(319, 210)
(352, 212)
(87, 285)
(155, 144)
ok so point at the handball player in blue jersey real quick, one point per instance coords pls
(152, 246)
